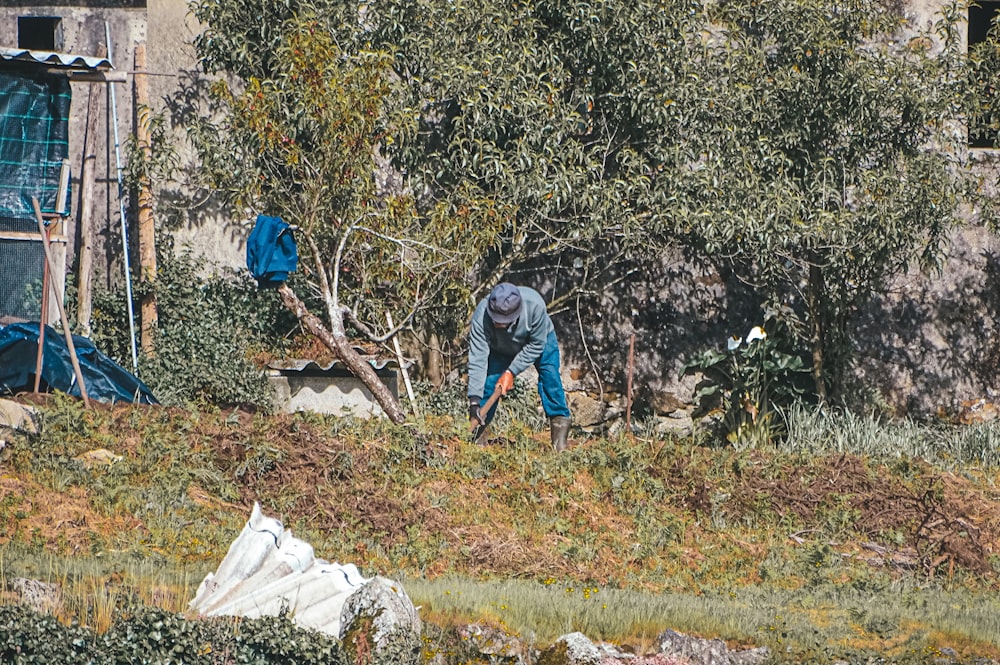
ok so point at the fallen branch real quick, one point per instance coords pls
(344, 351)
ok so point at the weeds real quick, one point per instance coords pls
(825, 431)
(98, 591)
(782, 528)
(788, 621)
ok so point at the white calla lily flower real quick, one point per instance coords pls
(734, 342)
(756, 333)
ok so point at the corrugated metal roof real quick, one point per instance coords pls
(50, 58)
(308, 365)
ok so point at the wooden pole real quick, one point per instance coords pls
(85, 261)
(62, 312)
(147, 237)
(402, 367)
(628, 386)
(43, 318)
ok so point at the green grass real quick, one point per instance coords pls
(897, 617)
(95, 591)
(620, 538)
(954, 447)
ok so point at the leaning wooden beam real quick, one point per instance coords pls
(62, 311)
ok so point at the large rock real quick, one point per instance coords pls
(571, 649)
(380, 625)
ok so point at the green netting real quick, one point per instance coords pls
(22, 264)
(34, 128)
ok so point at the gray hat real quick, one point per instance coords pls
(505, 303)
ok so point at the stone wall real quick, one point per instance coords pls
(929, 344)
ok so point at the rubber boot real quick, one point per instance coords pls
(559, 429)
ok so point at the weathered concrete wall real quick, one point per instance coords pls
(218, 235)
(932, 341)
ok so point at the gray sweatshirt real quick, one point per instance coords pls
(524, 340)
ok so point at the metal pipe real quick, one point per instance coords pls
(121, 212)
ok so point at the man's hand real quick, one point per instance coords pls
(506, 382)
(474, 408)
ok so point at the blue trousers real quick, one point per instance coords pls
(550, 387)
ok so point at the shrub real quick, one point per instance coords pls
(209, 331)
(155, 636)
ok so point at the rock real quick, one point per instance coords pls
(380, 625)
(707, 652)
(977, 411)
(18, 417)
(664, 402)
(496, 646)
(678, 423)
(587, 411)
(39, 596)
(571, 649)
(98, 457)
(612, 652)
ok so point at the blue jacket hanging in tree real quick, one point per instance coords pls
(271, 251)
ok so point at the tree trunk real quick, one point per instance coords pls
(816, 327)
(342, 349)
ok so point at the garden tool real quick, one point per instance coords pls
(479, 426)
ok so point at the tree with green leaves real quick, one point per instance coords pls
(796, 142)
(302, 125)
(809, 147)
(828, 157)
(569, 113)
(526, 134)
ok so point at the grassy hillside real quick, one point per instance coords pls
(850, 538)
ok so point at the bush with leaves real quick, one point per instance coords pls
(155, 636)
(752, 383)
(210, 330)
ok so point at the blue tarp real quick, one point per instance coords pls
(271, 251)
(105, 380)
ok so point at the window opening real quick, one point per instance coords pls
(38, 33)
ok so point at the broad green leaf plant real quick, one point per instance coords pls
(751, 384)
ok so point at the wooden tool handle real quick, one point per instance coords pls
(485, 408)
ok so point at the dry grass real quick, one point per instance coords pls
(666, 530)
